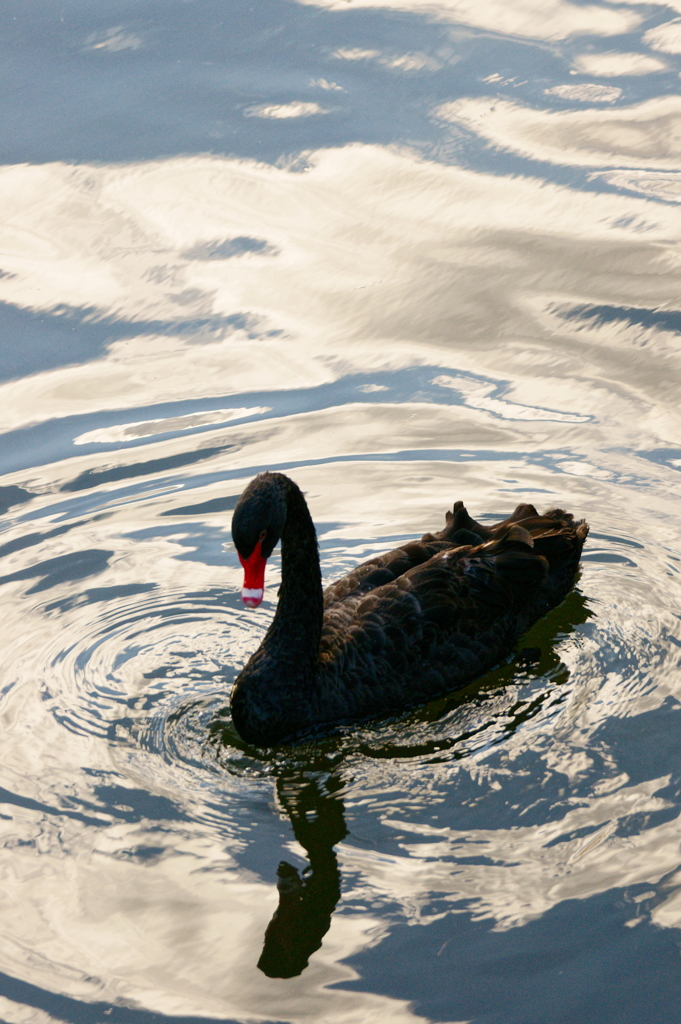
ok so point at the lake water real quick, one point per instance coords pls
(409, 252)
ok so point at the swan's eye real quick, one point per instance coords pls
(263, 534)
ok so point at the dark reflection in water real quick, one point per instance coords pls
(306, 903)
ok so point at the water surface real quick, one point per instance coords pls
(408, 253)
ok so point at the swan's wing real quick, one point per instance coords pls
(460, 530)
(468, 588)
(382, 570)
(437, 625)
(554, 535)
(444, 622)
(464, 591)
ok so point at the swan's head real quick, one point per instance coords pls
(257, 523)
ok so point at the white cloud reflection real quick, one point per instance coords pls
(367, 254)
(612, 64)
(113, 40)
(665, 38)
(284, 110)
(146, 428)
(551, 20)
(398, 62)
(323, 83)
(586, 92)
(647, 134)
(477, 395)
(656, 185)
(355, 53)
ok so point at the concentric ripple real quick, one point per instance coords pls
(122, 648)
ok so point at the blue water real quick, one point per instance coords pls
(408, 254)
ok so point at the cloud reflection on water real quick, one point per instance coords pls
(645, 135)
(553, 20)
(429, 263)
(613, 64)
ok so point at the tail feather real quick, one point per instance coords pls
(459, 520)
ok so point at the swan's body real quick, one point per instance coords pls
(400, 629)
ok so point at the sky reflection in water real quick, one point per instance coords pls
(409, 253)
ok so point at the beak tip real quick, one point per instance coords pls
(251, 598)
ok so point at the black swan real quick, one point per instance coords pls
(398, 630)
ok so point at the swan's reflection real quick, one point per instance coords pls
(307, 901)
(312, 796)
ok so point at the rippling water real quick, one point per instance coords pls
(407, 252)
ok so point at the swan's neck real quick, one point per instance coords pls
(274, 694)
(297, 625)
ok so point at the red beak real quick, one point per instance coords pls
(254, 577)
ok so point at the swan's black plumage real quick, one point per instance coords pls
(398, 630)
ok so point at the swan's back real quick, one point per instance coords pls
(434, 614)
